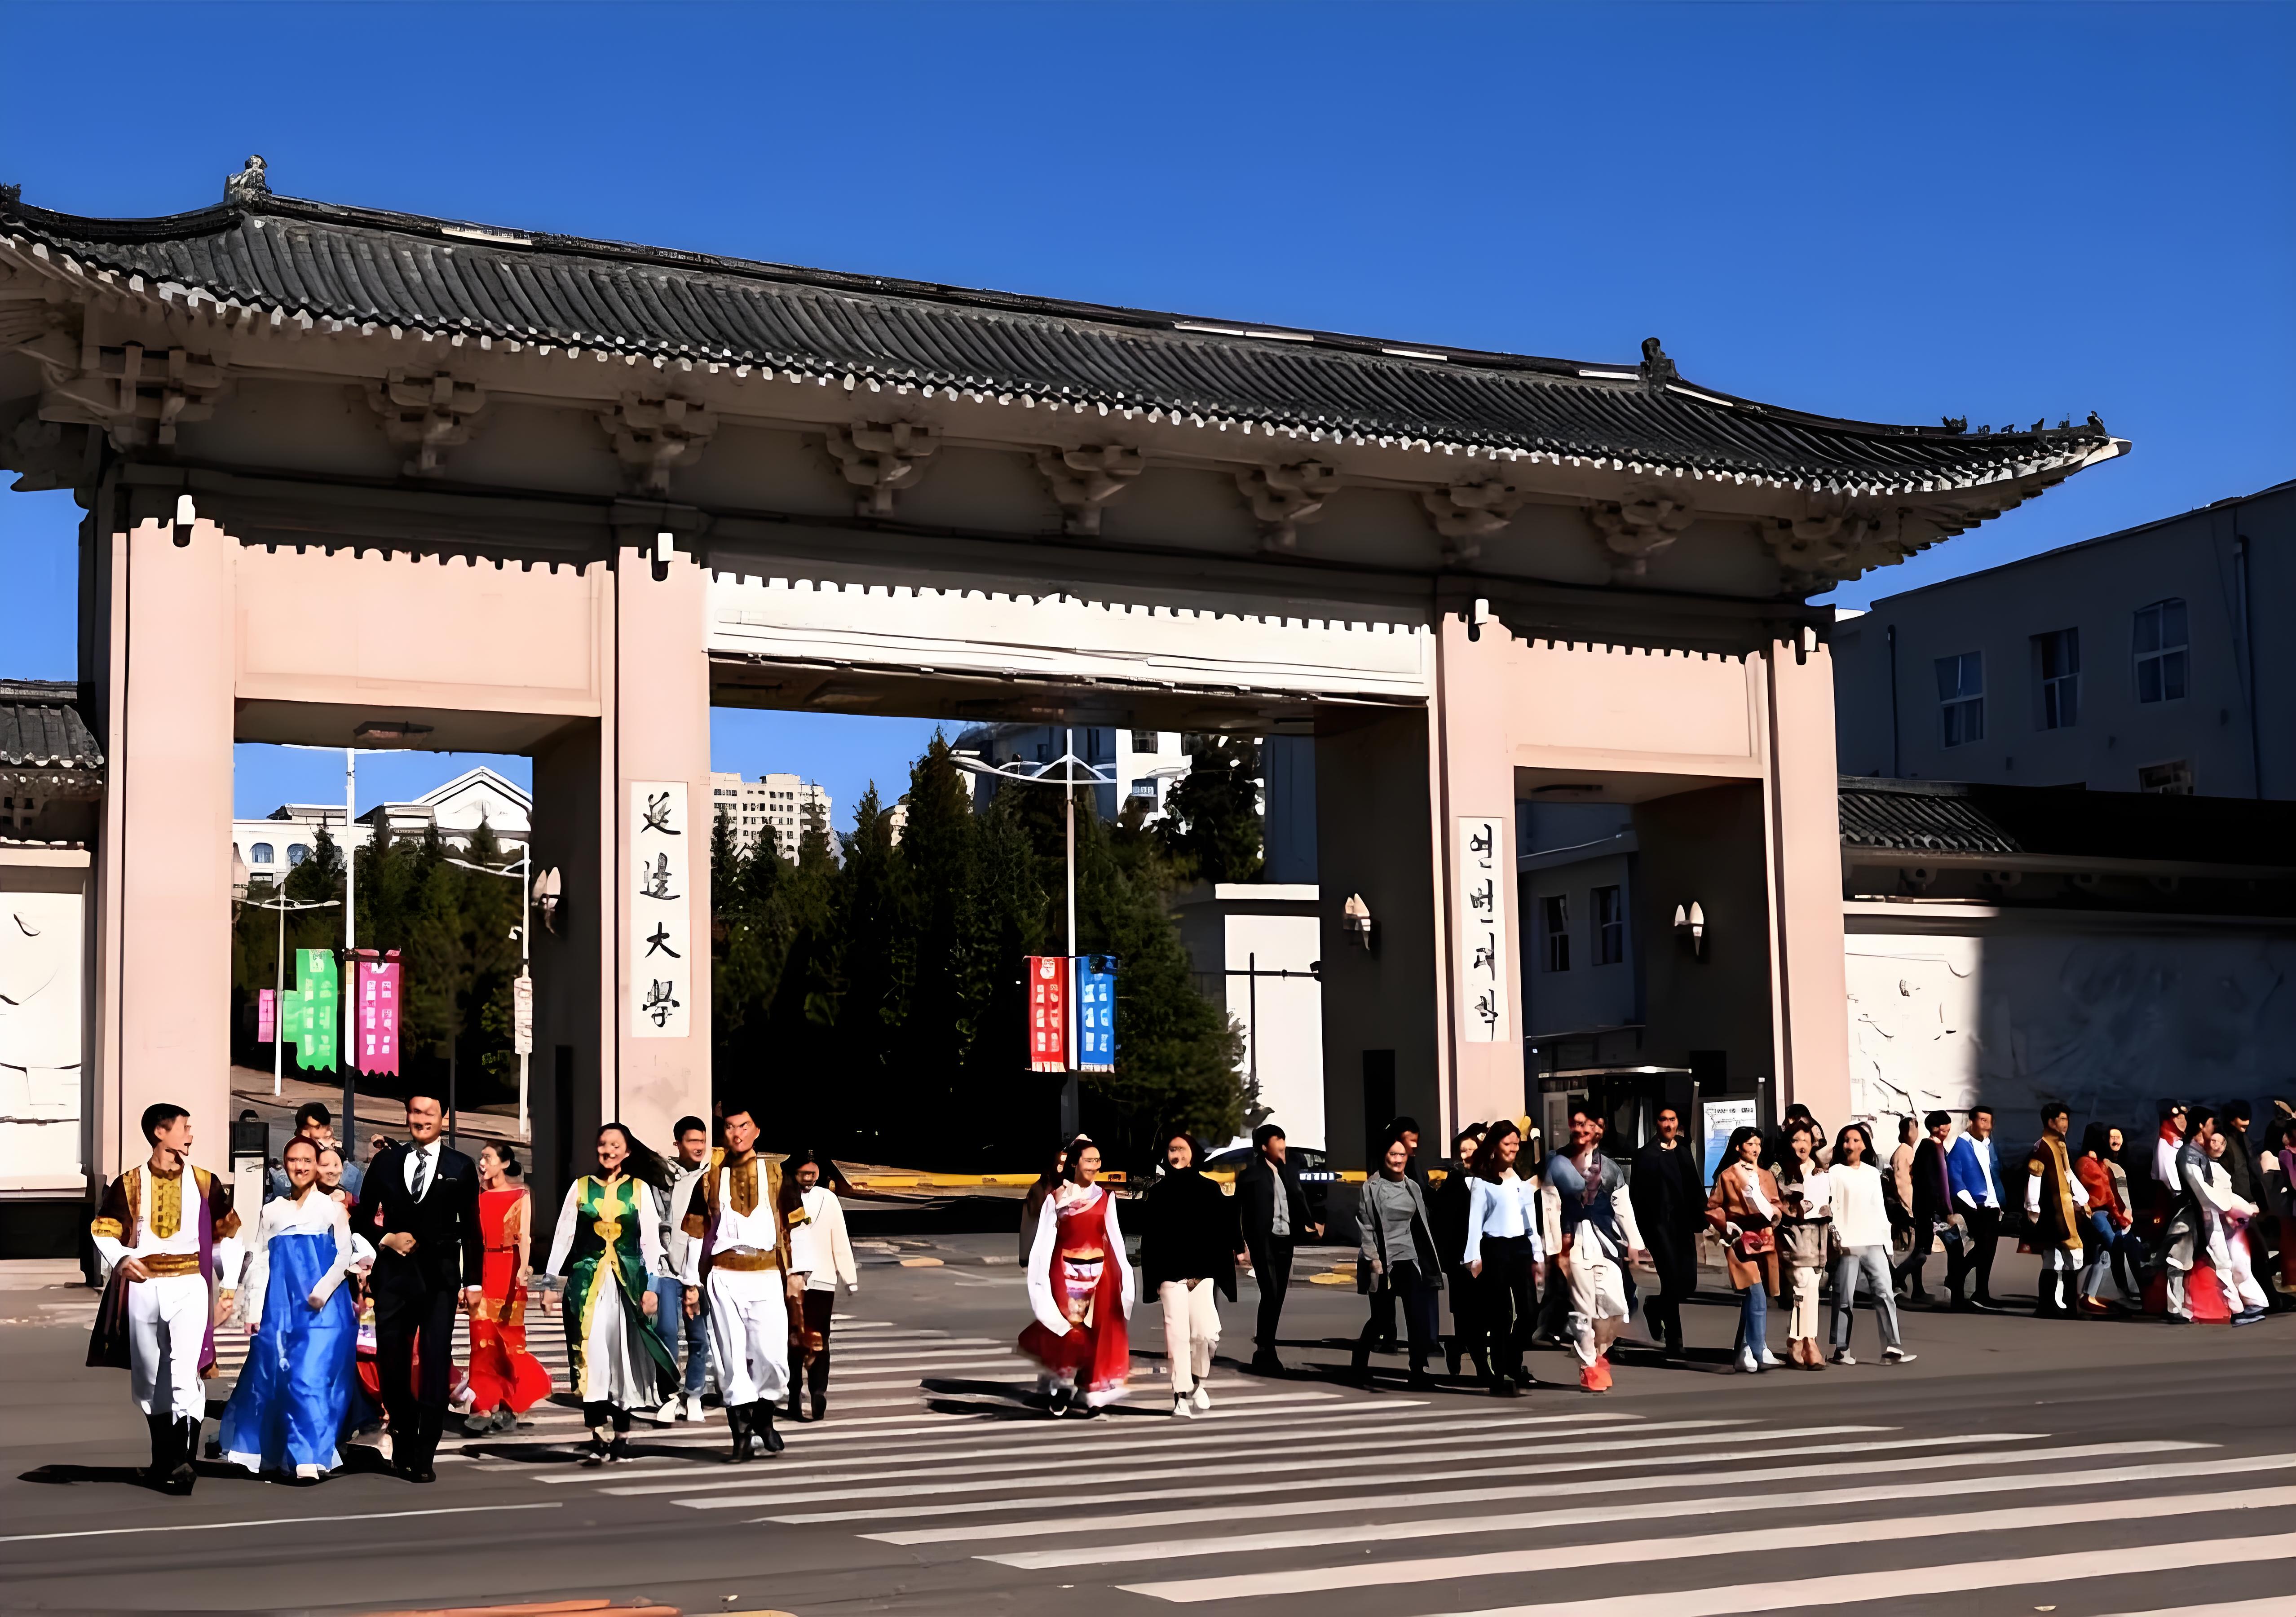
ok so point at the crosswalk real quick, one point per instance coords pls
(1281, 1497)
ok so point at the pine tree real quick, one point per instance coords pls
(1211, 829)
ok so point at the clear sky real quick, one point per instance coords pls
(1895, 213)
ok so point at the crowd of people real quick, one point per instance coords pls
(717, 1263)
(347, 1284)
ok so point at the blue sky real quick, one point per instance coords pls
(1895, 213)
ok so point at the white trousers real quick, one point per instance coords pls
(1598, 1291)
(2239, 1273)
(167, 1327)
(1804, 1321)
(748, 1335)
(1192, 1326)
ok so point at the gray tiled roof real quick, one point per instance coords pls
(1949, 816)
(40, 729)
(1927, 816)
(361, 265)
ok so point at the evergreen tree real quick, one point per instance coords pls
(951, 946)
(1211, 828)
(876, 958)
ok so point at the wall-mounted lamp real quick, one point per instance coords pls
(1477, 615)
(547, 897)
(187, 513)
(1356, 916)
(1690, 926)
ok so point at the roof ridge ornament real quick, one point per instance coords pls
(1657, 370)
(250, 186)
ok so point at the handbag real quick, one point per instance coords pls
(1752, 1243)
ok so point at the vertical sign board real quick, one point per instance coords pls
(1483, 878)
(521, 1014)
(1096, 1013)
(266, 1015)
(378, 1015)
(662, 901)
(312, 1026)
(1048, 1013)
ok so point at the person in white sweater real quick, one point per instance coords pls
(1861, 1229)
(821, 1255)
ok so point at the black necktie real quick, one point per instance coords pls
(421, 1172)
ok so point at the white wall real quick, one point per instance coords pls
(2103, 1017)
(1287, 1015)
(42, 957)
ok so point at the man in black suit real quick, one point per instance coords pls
(420, 1207)
(1933, 1207)
(1273, 1217)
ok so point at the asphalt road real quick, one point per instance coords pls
(2020, 1466)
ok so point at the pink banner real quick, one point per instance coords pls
(266, 1015)
(377, 1002)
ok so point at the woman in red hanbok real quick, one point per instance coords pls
(1080, 1289)
(506, 1380)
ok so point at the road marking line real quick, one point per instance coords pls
(1387, 1530)
(1446, 1465)
(2271, 1605)
(1905, 1582)
(1151, 1450)
(1760, 1541)
(1040, 1527)
(201, 1527)
(1055, 1479)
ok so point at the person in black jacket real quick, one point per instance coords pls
(1274, 1219)
(1669, 1199)
(1447, 1216)
(1187, 1246)
(420, 1207)
(1932, 1208)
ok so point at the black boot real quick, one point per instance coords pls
(761, 1413)
(737, 1422)
(163, 1449)
(181, 1475)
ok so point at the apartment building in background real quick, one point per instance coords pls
(2149, 659)
(768, 811)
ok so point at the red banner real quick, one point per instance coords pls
(376, 1006)
(1049, 1012)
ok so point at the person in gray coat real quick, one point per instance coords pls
(1397, 1260)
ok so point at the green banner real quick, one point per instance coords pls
(309, 1017)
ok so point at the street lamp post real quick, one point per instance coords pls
(1069, 771)
(279, 986)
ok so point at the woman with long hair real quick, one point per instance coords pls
(1802, 1233)
(506, 1380)
(1503, 1253)
(1745, 1206)
(1080, 1289)
(294, 1393)
(607, 1252)
(1447, 1214)
(1396, 1258)
(821, 1261)
(1861, 1231)
(1188, 1240)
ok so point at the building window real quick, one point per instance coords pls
(260, 854)
(1555, 911)
(1145, 791)
(2160, 652)
(1143, 741)
(1961, 698)
(1609, 926)
(2059, 652)
(297, 853)
(2172, 779)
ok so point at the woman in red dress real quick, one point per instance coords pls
(1079, 1289)
(506, 1380)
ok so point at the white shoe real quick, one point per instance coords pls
(1896, 1356)
(1203, 1399)
(1181, 1408)
(1842, 1356)
(694, 1411)
(1771, 1361)
(670, 1410)
(1748, 1365)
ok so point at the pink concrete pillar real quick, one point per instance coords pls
(657, 733)
(164, 917)
(1810, 991)
(1472, 772)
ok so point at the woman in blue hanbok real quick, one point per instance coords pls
(295, 1390)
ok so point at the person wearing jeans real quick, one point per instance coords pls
(1744, 1206)
(1861, 1229)
(669, 1321)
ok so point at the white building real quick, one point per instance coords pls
(769, 809)
(1254, 948)
(274, 845)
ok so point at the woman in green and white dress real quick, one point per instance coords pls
(608, 1251)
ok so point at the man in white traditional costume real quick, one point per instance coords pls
(737, 1248)
(165, 1231)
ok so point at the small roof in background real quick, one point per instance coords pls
(1948, 817)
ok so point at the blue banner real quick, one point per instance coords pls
(1095, 976)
